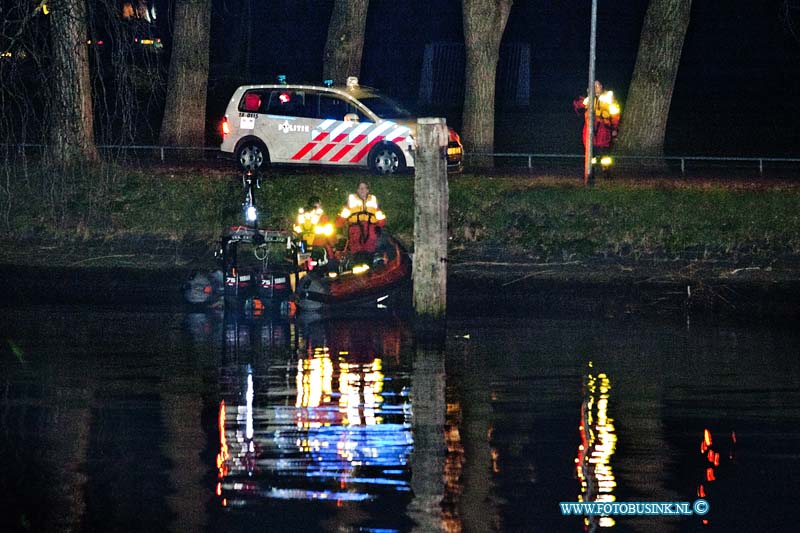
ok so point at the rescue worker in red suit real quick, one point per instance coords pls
(364, 218)
(606, 122)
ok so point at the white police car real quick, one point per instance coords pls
(307, 124)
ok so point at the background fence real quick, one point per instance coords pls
(511, 160)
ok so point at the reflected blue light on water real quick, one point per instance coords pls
(339, 431)
(293, 494)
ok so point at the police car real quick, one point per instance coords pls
(325, 125)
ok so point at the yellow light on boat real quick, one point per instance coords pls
(606, 161)
(45, 9)
(360, 269)
(326, 230)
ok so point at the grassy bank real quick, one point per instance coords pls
(533, 218)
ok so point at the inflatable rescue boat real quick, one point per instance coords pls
(360, 280)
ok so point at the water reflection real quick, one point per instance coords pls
(453, 467)
(710, 466)
(598, 444)
(313, 411)
(157, 420)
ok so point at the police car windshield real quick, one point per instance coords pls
(385, 107)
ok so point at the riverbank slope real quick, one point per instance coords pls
(509, 232)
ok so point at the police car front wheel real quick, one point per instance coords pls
(386, 159)
(251, 155)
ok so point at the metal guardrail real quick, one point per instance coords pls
(161, 150)
(683, 159)
(530, 157)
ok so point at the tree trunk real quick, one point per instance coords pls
(644, 118)
(184, 121)
(345, 44)
(484, 23)
(72, 125)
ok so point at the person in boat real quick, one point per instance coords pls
(364, 219)
(315, 231)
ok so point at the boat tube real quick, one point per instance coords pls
(361, 279)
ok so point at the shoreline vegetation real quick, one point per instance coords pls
(502, 224)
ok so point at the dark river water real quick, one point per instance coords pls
(154, 419)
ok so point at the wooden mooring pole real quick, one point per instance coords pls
(430, 218)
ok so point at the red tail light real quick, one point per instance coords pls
(226, 129)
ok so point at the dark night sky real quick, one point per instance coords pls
(739, 66)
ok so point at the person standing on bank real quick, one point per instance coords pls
(606, 121)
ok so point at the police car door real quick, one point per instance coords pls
(288, 123)
(339, 135)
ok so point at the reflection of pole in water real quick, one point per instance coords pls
(428, 457)
(598, 444)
